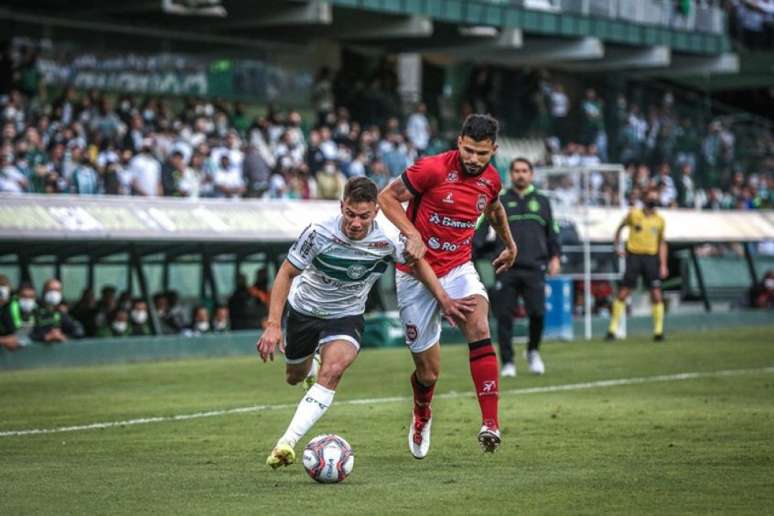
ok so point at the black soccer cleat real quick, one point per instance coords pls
(659, 337)
(610, 336)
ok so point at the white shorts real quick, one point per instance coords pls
(419, 310)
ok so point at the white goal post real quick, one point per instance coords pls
(573, 190)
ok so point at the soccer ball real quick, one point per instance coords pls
(328, 458)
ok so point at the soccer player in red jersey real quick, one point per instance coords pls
(446, 194)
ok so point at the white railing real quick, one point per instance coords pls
(704, 15)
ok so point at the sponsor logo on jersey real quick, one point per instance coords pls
(449, 222)
(435, 244)
(411, 332)
(481, 204)
(379, 244)
(453, 176)
(307, 245)
(356, 270)
(449, 199)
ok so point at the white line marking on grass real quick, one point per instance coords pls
(394, 399)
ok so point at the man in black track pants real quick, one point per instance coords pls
(537, 236)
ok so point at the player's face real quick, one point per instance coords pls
(521, 175)
(357, 218)
(475, 155)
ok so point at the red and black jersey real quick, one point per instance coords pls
(446, 206)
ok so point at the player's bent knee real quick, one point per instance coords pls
(331, 373)
(428, 377)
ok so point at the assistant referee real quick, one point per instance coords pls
(537, 237)
(646, 256)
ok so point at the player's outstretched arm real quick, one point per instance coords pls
(453, 309)
(498, 219)
(272, 335)
(390, 199)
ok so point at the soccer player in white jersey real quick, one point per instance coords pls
(325, 281)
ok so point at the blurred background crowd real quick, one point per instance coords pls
(89, 142)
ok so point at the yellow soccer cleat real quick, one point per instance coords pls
(281, 455)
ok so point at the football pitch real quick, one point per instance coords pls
(635, 427)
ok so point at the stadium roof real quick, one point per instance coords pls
(76, 223)
(505, 33)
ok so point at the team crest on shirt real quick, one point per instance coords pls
(356, 271)
(411, 332)
(453, 176)
(481, 204)
(533, 205)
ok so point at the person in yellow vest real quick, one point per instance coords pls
(646, 256)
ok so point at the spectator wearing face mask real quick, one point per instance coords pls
(330, 182)
(21, 311)
(138, 318)
(8, 338)
(53, 325)
(200, 321)
(220, 319)
(118, 325)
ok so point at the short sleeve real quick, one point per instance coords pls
(399, 248)
(305, 248)
(420, 176)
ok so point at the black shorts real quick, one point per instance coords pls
(304, 334)
(529, 284)
(645, 265)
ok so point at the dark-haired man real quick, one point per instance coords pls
(646, 256)
(325, 280)
(537, 235)
(446, 194)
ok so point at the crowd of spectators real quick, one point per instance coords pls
(46, 317)
(751, 22)
(92, 143)
(693, 167)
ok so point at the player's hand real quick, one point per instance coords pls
(664, 272)
(506, 260)
(456, 309)
(619, 250)
(415, 248)
(554, 266)
(270, 339)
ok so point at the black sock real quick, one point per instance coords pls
(535, 332)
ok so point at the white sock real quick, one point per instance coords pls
(314, 368)
(311, 408)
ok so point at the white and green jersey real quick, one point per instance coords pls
(338, 272)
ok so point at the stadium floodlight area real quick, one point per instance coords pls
(573, 190)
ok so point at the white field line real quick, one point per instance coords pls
(394, 399)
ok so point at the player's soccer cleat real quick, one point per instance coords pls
(419, 437)
(508, 370)
(281, 455)
(610, 336)
(659, 337)
(489, 439)
(311, 378)
(535, 363)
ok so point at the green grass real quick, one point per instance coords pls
(695, 446)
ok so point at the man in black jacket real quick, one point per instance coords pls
(537, 237)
